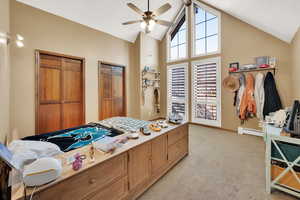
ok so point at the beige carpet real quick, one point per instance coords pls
(221, 166)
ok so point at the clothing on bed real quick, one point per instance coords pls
(25, 152)
(70, 139)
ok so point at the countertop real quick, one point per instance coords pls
(18, 190)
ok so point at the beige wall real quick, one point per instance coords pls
(148, 57)
(242, 42)
(4, 72)
(296, 65)
(146, 53)
(135, 78)
(45, 31)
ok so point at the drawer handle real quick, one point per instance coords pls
(92, 181)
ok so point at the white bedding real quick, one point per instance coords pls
(25, 152)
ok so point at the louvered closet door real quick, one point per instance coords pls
(178, 89)
(206, 99)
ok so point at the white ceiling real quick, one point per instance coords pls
(108, 15)
(280, 18)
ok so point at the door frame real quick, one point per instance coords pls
(100, 63)
(38, 52)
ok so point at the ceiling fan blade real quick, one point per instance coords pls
(132, 22)
(162, 9)
(136, 9)
(164, 23)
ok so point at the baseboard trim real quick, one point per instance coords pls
(219, 128)
(250, 131)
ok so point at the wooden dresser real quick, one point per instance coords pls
(125, 175)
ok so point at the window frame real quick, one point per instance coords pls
(168, 36)
(218, 122)
(186, 100)
(193, 29)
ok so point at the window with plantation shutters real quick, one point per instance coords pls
(206, 99)
(177, 89)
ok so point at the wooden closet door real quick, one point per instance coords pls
(106, 101)
(118, 108)
(111, 91)
(49, 111)
(72, 92)
(60, 92)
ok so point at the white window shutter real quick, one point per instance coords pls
(206, 92)
(178, 89)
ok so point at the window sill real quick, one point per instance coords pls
(208, 123)
(177, 60)
(215, 53)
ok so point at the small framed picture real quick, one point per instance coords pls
(272, 62)
(262, 60)
(235, 65)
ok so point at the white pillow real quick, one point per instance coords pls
(26, 151)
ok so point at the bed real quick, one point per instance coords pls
(76, 137)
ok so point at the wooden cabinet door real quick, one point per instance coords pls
(178, 143)
(139, 165)
(159, 156)
(116, 191)
(178, 150)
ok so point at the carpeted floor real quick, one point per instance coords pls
(221, 166)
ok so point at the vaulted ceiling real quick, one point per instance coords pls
(280, 18)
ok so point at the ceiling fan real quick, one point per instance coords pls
(149, 17)
(187, 2)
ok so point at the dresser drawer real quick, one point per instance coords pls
(177, 134)
(87, 182)
(115, 191)
(178, 150)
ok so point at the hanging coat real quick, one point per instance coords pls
(240, 92)
(272, 99)
(248, 106)
(259, 94)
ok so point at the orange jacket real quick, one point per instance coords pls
(248, 105)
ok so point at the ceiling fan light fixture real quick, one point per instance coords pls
(143, 25)
(149, 17)
(148, 30)
(148, 26)
(152, 23)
